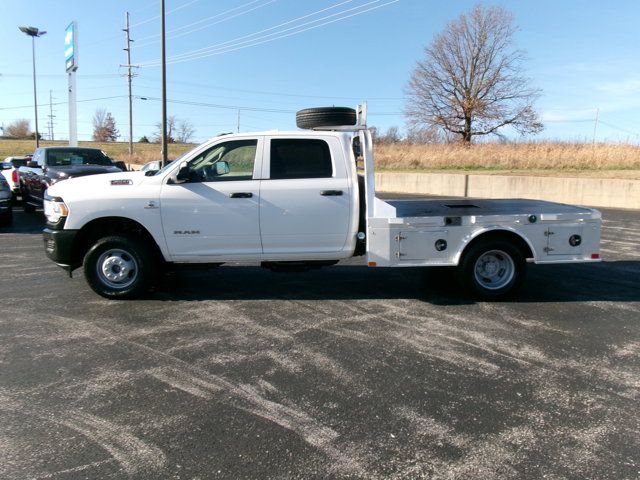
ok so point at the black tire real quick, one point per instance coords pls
(492, 269)
(119, 267)
(325, 117)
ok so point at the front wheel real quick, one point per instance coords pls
(118, 267)
(492, 269)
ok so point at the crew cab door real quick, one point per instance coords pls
(305, 197)
(215, 212)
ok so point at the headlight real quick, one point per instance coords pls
(54, 209)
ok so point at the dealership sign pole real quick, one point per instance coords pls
(71, 64)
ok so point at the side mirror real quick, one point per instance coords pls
(33, 164)
(184, 174)
(222, 168)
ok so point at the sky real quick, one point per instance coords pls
(260, 61)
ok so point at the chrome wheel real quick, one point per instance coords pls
(494, 269)
(117, 268)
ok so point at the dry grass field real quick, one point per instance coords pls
(550, 157)
(602, 160)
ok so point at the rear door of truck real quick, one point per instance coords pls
(305, 196)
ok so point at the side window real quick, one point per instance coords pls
(226, 161)
(39, 157)
(300, 158)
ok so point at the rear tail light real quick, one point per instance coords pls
(14, 176)
(595, 256)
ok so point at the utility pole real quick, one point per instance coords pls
(163, 57)
(595, 126)
(238, 120)
(51, 115)
(129, 78)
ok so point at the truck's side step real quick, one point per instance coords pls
(302, 266)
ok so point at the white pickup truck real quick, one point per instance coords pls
(295, 200)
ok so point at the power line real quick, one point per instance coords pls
(216, 105)
(275, 27)
(148, 20)
(230, 46)
(185, 5)
(65, 103)
(179, 29)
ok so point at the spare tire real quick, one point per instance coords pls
(325, 117)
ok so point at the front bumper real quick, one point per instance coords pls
(58, 246)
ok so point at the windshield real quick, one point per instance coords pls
(62, 157)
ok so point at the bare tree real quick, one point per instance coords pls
(184, 131)
(172, 122)
(104, 126)
(417, 135)
(19, 129)
(392, 135)
(471, 80)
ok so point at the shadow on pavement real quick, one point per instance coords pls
(608, 281)
(25, 223)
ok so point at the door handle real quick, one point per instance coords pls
(241, 195)
(329, 193)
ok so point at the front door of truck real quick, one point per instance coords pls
(214, 214)
(305, 197)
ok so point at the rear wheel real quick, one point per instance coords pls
(325, 117)
(118, 267)
(492, 269)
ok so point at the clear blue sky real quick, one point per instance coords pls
(583, 55)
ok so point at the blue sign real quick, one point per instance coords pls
(71, 47)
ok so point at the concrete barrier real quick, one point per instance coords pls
(597, 192)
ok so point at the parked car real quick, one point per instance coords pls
(295, 201)
(6, 214)
(10, 167)
(53, 164)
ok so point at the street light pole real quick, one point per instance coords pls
(33, 32)
(164, 88)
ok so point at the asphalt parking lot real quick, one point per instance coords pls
(345, 372)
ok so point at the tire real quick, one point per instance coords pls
(325, 117)
(492, 269)
(119, 267)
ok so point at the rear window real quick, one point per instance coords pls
(61, 157)
(300, 158)
(19, 162)
(15, 162)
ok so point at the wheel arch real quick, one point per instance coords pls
(498, 233)
(112, 225)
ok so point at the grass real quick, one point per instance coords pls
(568, 159)
(522, 157)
